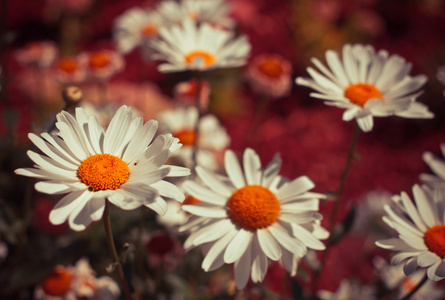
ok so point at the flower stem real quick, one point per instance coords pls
(198, 119)
(335, 208)
(419, 285)
(113, 252)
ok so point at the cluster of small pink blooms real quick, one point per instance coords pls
(393, 277)
(186, 93)
(367, 84)
(211, 137)
(420, 226)
(39, 54)
(163, 249)
(76, 282)
(252, 217)
(270, 74)
(349, 290)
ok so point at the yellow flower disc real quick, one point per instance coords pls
(360, 93)
(103, 172)
(253, 207)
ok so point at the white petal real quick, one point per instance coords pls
(242, 267)
(67, 204)
(214, 258)
(252, 167)
(204, 194)
(237, 246)
(268, 244)
(205, 210)
(233, 169)
(427, 258)
(212, 181)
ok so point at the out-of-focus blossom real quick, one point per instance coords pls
(437, 165)
(163, 249)
(104, 113)
(212, 138)
(186, 93)
(103, 64)
(38, 54)
(270, 74)
(441, 76)
(72, 69)
(76, 282)
(369, 213)
(174, 216)
(258, 217)
(135, 27)
(349, 290)
(189, 46)
(367, 85)
(215, 12)
(123, 165)
(421, 232)
(394, 278)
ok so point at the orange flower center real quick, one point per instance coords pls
(68, 65)
(187, 137)
(408, 284)
(360, 93)
(58, 283)
(435, 240)
(103, 172)
(191, 200)
(200, 58)
(149, 30)
(271, 68)
(253, 207)
(99, 60)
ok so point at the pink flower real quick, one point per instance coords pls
(38, 54)
(71, 69)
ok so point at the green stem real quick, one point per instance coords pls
(419, 285)
(335, 208)
(113, 252)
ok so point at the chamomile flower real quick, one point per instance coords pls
(367, 84)
(215, 12)
(270, 74)
(189, 46)
(212, 137)
(437, 165)
(252, 217)
(135, 27)
(122, 164)
(40, 54)
(103, 64)
(421, 230)
(73, 69)
(76, 282)
(349, 290)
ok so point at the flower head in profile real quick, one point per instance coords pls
(215, 12)
(437, 165)
(122, 164)
(421, 231)
(135, 27)
(189, 46)
(348, 290)
(76, 282)
(40, 54)
(212, 137)
(270, 74)
(367, 84)
(252, 217)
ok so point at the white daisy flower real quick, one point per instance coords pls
(122, 164)
(421, 230)
(367, 84)
(394, 278)
(188, 46)
(215, 12)
(437, 165)
(135, 27)
(103, 64)
(348, 290)
(212, 139)
(258, 217)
